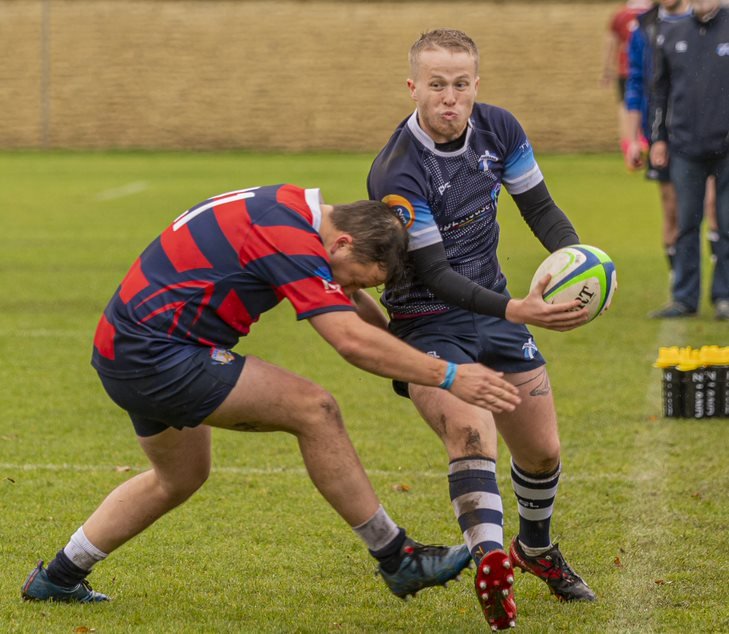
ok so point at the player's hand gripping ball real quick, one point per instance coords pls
(579, 272)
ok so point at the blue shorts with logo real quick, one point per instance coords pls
(461, 336)
(181, 396)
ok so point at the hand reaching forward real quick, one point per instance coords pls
(482, 386)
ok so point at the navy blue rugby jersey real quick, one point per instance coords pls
(210, 275)
(452, 197)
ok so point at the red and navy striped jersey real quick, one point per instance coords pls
(211, 274)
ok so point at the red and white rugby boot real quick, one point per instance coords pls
(495, 590)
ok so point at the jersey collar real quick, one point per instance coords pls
(314, 200)
(425, 140)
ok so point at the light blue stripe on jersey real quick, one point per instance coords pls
(521, 171)
(424, 231)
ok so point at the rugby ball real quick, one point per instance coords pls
(579, 272)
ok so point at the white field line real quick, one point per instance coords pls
(6, 469)
(124, 190)
(46, 333)
(648, 475)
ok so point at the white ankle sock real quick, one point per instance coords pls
(378, 531)
(82, 552)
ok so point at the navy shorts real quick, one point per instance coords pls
(181, 396)
(461, 336)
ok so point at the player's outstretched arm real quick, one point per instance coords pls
(533, 310)
(369, 310)
(376, 351)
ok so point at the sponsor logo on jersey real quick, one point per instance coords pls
(402, 207)
(443, 187)
(221, 356)
(462, 222)
(330, 287)
(433, 353)
(722, 50)
(529, 349)
(325, 275)
(682, 46)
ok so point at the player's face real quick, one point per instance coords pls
(352, 275)
(444, 90)
(673, 6)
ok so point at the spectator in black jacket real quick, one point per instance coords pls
(690, 119)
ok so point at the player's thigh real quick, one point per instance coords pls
(464, 429)
(180, 457)
(530, 431)
(269, 398)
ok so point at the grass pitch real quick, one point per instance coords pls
(642, 509)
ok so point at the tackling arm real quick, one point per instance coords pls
(369, 310)
(376, 351)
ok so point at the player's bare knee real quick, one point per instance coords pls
(178, 489)
(541, 465)
(320, 410)
(468, 442)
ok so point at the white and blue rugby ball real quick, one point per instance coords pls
(579, 272)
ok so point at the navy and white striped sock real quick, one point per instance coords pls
(477, 503)
(535, 495)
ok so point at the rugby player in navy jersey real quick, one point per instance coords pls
(163, 352)
(442, 171)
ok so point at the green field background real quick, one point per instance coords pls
(643, 506)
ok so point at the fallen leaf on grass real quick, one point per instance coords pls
(618, 562)
(82, 629)
(403, 488)
(697, 495)
(122, 468)
(10, 480)
(662, 582)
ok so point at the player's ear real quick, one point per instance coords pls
(343, 241)
(411, 88)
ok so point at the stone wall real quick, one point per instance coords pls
(284, 75)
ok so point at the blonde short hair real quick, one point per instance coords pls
(450, 39)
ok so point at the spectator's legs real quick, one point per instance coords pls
(720, 282)
(689, 179)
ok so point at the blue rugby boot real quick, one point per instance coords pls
(423, 566)
(38, 587)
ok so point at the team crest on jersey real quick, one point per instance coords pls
(529, 349)
(221, 356)
(483, 161)
(402, 207)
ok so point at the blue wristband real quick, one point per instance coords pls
(450, 376)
